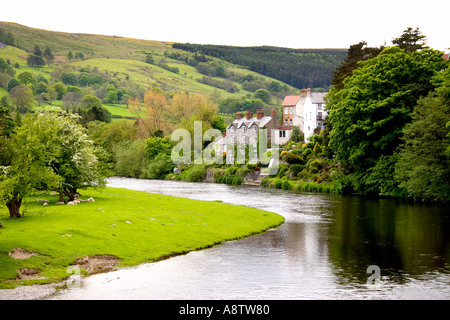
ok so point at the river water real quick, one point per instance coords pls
(322, 251)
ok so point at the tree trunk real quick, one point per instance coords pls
(13, 207)
(70, 192)
(61, 197)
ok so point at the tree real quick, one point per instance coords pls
(423, 168)
(70, 55)
(12, 83)
(262, 94)
(75, 162)
(22, 97)
(26, 78)
(30, 148)
(92, 109)
(48, 55)
(69, 78)
(411, 40)
(60, 89)
(37, 51)
(35, 61)
(155, 103)
(356, 53)
(375, 103)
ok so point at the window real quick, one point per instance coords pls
(290, 122)
(232, 129)
(244, 128)
(319, 116)
(285, 122)
(290, 110)
(319, 106)
(255, 128)
(282, 133)
(286, 110)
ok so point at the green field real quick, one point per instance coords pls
(136, 227)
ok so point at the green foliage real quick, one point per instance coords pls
(13, 83)
(369, 113)
(293, 158)
(423, 168)
(196, 173)
(156, 145)
(297, 67)
(411, 40)
(130, 158)
(158, 167)
(263, 95)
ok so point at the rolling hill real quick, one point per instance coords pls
(138, 65)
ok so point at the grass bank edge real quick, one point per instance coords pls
(134, 226)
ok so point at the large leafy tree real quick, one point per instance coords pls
(368, 114)
(49, 151)
(30, 150)
(423, 168)
(76, 161)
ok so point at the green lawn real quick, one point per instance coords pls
(136, 227)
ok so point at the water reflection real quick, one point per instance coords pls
(322, 251)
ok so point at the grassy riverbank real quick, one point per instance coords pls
(136, 227)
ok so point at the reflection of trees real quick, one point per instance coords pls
(398, 237)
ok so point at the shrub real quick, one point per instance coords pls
(237, 181)
(293, 158)
(286, 185)
(315, 166)
(278, 184)
(196, 173)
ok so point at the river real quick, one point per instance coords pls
(322, 251)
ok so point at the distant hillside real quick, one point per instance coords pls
(298, 67)
(145, 62)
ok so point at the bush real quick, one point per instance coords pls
(307, 152)
(295, 169)
(293, 158)
(278, 184)
(237, 181)
(286, 185)
(196, 173)
(315, 166)
(158, 167)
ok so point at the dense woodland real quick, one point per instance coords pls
(298, 67)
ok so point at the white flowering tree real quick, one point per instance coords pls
(50, 151)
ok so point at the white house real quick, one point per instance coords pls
(306, 111)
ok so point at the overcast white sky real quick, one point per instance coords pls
(283, 23)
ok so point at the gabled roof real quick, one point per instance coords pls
(446, 56)
(261, 122)
(290, 101)
(317, 97)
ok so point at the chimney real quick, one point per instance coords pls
(273, 113)
(224, 134)
(259, 114)
(304, 91)
(238, 115)
(308, 91)
(249, 114)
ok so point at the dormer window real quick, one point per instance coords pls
(232, 129)
(244, 128)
